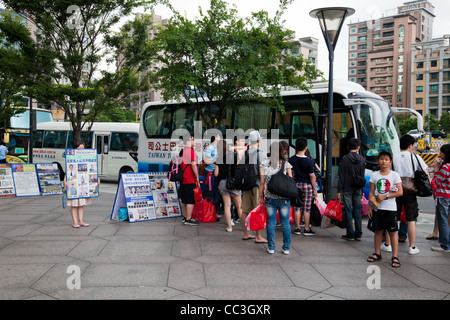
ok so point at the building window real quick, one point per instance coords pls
(419, 100)
(401, 34)
(419, 65)
(419, 89)
(434, 88)
(434, 63)
(419, 76)
(353, 39)
(362, 39)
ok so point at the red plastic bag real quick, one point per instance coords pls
(198, 194)
(364, 206)
(334, 210)
(291, 215)
(258, 218)
(403, 215)
(204, 211)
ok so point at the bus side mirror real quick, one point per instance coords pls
(373, 106)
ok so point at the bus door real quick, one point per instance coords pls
(303, 124)
(102, 142)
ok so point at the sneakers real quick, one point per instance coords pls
(413, 250)
(190, 222)
(270, 251)
(309, 232)
(345, 237)
(228, 229)
(286, 252)
(439, 249)
(387, 248)
(297, 231)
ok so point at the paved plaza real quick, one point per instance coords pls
(40, 253)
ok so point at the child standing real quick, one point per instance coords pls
(385, 185)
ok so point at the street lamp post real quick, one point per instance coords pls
(331, 21)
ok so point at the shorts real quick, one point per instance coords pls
(307, 194)
(227, 192)
(250, 199)
(385, 220)
(409, 202)
(187, 193)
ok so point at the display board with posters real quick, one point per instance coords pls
(134, 194)
(49, 180)
(25, 179)
(165, 196)
(7, 188)
(145, 198)
(82, 173)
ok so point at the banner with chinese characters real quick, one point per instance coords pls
(82, 173)
(49, 180)
(6, 181)
(25, 179)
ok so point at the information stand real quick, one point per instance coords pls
(49, 180)
(7, 188)
(145, 197)
(25, 179)
(82, 173)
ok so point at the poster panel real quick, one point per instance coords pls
(7, 188)
(82, 173)
(25, 179)
(49, 180)
(165, 196)
(138, 197)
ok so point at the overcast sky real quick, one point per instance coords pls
(297, 18)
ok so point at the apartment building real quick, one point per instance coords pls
(430, 76)
(380, 50)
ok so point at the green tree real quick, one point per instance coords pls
(224, 60)
(77, 32)
(21, 64)
(445, 122)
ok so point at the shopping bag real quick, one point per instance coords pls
(364, 206)
(326, 223)
(402, 215)
(315, 216)
(198, 193)
(204, 211)
(291, 215)
(320, 204)
(334, 210)
(258, 218)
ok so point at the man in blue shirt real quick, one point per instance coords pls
(3, 152)
(210, 159)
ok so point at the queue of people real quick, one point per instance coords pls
(386, 191)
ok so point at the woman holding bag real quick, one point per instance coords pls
(275, 163)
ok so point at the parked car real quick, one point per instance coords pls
(416, 134)
(438, 134)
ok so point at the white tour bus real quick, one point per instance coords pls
(116, 144)
(357, 113)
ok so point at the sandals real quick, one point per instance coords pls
(395, 262)
(374, 258)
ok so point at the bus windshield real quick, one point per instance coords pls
(375, 139)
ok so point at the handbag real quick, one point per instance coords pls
(408, 183)
(364, 206)
(204, 211)
(282, 185)
(258, 218)
(422, 181)
(334, 210)
(198, 193)
(315, 217)
(297, 201)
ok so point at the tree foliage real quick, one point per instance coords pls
(226, 60)
(77, 32)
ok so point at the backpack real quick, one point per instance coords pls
(175, 172)
(242, 176)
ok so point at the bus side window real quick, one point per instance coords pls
(37, 138)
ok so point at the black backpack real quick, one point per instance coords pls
(242, 176)
(357, 181)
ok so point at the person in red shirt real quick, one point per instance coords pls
(189, 182)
